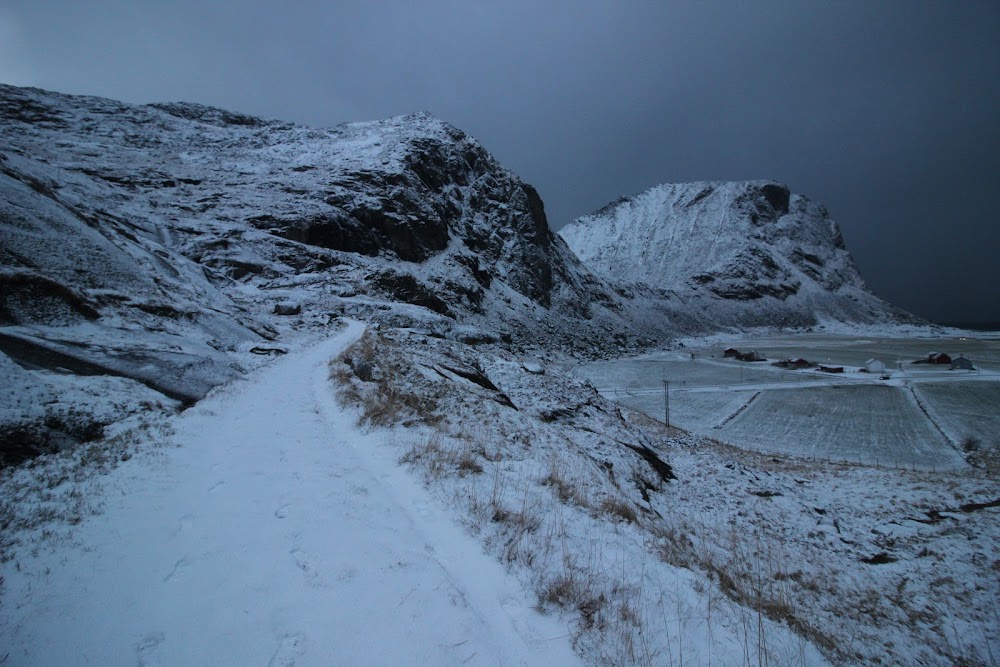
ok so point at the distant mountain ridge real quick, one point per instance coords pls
(742, 253)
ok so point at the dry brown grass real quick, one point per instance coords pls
(441, 455)
(567, 492)
(619, 510)
(375, 375)
(575, 590)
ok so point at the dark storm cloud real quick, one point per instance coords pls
(884, 111)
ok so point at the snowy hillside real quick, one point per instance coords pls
(179, 201)
(272, 523)
(741, 254)
(176, 246)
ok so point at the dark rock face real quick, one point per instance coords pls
(23, 106)
(26, 298)
(208, 115)
(777, 196)
(752, 275)
(537, 256)
(287, 308)
(764, 202)
(335, 230)
(449, 189)
(406, 288)
(405, 220)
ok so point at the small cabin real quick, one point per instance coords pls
(731, 353)
(962, 363)
(875, 366)
(938, 358)
(832, 369)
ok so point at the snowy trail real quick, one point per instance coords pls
(276, 534)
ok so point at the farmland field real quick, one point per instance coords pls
(867, 423)
(965, 409)
(648, 372)
(693, 411)
(916, 418)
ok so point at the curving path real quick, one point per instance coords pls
(275, 534)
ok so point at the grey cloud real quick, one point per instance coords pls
(884, 111)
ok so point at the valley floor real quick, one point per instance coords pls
(916, 416)
(267, 530)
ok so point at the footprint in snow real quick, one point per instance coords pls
(147, 649)
(290, 646)
(282, 511)
(311, 567)
(182, 524)
(178, 569)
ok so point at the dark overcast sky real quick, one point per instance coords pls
(888, 112)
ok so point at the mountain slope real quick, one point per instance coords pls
(175, 245)
(248, 199)
(744, 254)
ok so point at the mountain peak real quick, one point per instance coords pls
(724, 244)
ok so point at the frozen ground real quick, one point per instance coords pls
(864, 565)
(266, 530)
(272, 525)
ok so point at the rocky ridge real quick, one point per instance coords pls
(739, 253)
(175, 245)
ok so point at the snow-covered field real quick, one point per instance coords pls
(853, 350)
(917, 418)
(872, 424)
(964, 409)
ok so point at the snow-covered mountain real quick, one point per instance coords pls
(161, 250)
(739, 254)
(167, 243)
(179, 201)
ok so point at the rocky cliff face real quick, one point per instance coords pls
(198, 182)
(743, 254)
(159, 243)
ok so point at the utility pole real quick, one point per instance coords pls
(666, 403)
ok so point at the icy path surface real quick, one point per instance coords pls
(275, 534)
